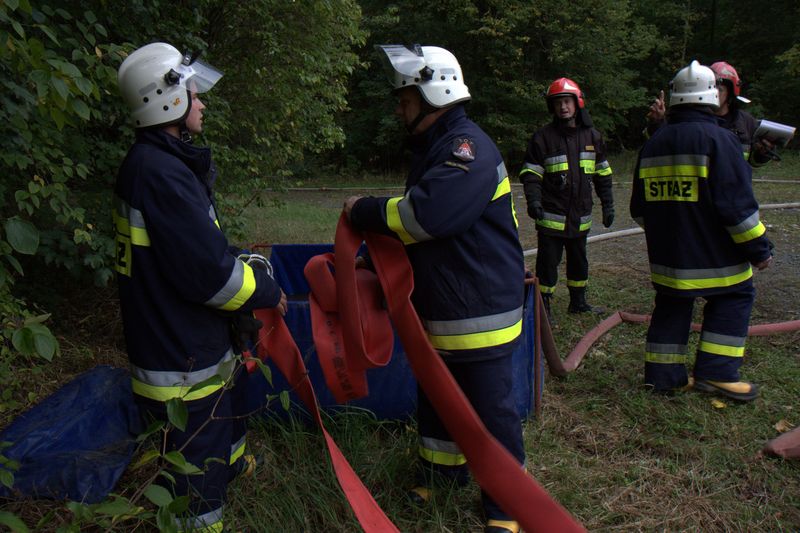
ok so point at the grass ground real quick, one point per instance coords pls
(618, 458)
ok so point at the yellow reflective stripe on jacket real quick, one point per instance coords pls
(552, 221)
(556, 164)
(603, 168)
(395, 223)
(401, 219)
(163, 385)
(720, 344)
(536, 170)
(705, 278)
(237, 290)
(129, 222)
(586, 160)
(237, 449)
(504, 187)
(473, 341)
(586, 223)
(679, 165)
(747, 230)
(441, 452)
(475, 332)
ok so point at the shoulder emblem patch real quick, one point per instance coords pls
(590, 148)
(456, 164)
(464, 149)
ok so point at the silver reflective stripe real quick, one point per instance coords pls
(437, 445)
(409, 220)
(745, 225)
(588, 155)
(655, 347)
(672, 160)
(166, 378)
(699, 273)
(639, 220)
(473, 325)
(555, 160)
(502, 173)
(726, 340)
(231, 287)
(585, 219)
(134, 216)
(537, 169)
(212, 213)
(554, 217)
(602, 165)
(191, 523)
(238, 444)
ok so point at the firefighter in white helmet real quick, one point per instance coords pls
(693, 196)
(457, 221)
(732, 117)
(181, 289)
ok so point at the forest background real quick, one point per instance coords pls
(303, 99)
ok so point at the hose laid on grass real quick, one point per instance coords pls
(561, 368)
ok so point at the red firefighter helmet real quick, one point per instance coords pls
(562, 87)
(725, 71)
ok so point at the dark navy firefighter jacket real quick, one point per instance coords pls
(178, 281)
(457, 221)
(693, 196)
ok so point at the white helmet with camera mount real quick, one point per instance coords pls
(156, 82)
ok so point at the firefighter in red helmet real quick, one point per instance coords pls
(564, 159)
(732, 116)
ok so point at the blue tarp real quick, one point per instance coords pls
(393, 389)
(77, 442)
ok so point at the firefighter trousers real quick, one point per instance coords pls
(548, 257)
(214, 442)
(488, 386)
(721, 348)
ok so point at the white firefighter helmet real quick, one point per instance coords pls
(695, 84)
(154, 81)
(434, 70)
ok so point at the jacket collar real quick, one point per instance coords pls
(421, 142)
(691, 114)
(197, 158)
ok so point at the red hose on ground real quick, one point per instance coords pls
(497, 472)
(560, 368)
(786, 446)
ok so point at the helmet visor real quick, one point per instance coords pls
(198, 77)
(398, 59)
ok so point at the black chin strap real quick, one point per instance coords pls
(420, 117)
(185, 135)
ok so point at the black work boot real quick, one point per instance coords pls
(546, 302)
(578, 304)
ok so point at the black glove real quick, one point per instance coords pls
(608, 216)
(244, 330)
(535, 210)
